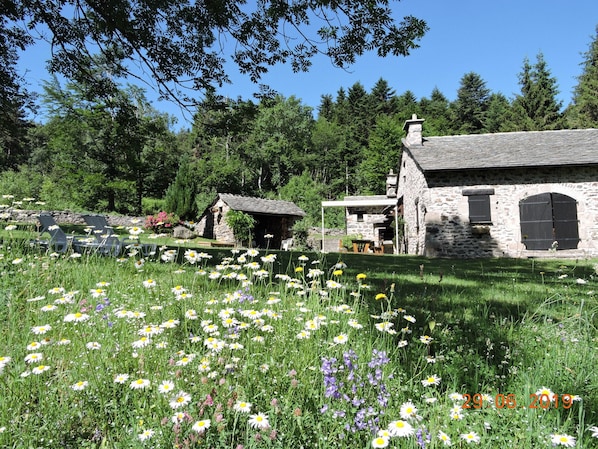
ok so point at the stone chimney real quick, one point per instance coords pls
(391, 184)
(413, 128)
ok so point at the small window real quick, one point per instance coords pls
(479, 205)
(360, 217)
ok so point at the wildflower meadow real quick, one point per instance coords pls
(245, 348)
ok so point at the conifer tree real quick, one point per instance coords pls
(536, 108)
(435, 111)
(499, 109)
(407, 105)
(328, 144)
(381, 155)
(383, 99)
(584, 109)
(326, 108)
(357, 132)
(180, 196)
(471, 105)
(341, 108)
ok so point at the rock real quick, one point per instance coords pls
(181, 232)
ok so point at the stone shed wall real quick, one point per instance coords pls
(213, 225)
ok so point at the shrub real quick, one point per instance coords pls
(242, 225)
(161, 222)
(300, 234)
(151, 206)
(347, 240)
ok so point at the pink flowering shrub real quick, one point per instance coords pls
(161, 222)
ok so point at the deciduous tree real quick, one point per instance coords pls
(103, 149)
(186, 42)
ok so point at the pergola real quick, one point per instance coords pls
(364, 203)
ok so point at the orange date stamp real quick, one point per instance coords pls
(511, 401)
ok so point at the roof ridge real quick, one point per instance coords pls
(513, 132)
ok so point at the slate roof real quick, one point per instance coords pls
(261, 205)
(367, 197)
(569, 147)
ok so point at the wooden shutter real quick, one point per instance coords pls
(535, 213)
(566, 230)
(479, 209)
(547, 218)
(479, 205)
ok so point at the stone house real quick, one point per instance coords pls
(273, 217)
(519, 194)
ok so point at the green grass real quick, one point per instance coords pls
(498, 327)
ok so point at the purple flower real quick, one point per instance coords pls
(328, 366)
(383, 399)
(379, 358)
(339, 414)
(360, 424)
(356, 402)
(348, 358)
(245, 296)
(360, 387)
(423, 437)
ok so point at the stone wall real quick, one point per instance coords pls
(213, 225)
(65, 216)
(363, 221)
(413, 188)
(437, 213)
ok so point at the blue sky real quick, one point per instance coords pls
(490, 38)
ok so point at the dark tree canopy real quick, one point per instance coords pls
(185, 42)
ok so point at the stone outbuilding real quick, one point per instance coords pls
(273, 218)
(518, 194)
(371, 218)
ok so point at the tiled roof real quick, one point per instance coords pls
(261, 205)
(508, 150)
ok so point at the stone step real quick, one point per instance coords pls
(560, 254)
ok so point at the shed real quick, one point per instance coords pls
(273, 218)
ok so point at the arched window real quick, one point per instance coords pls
(547, 218)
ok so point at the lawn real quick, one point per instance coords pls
(248, 349)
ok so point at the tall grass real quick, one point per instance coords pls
(248, 349)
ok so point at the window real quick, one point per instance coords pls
(479, 205)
